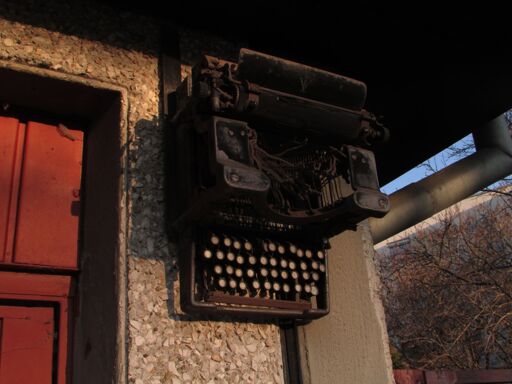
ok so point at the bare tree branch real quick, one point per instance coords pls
(448, 292)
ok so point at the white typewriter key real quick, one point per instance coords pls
(222, 282)
(286, 288)
(252, 260)
(283, 263)
(217, 269)
(294, 275)
(219, 255)
(232, 284)
(239, 272)
(307, 288)
(267, 285)
(303, 265)
(305, 275)
(314, 290)
(276, 287)
(293, 248)
(284, 275)
(321, 267)
(264, 272)
(272, 247)
(227, 242)
(321, 255)
(242, 285)
(300, 252)
(248, 246)
(250, 273)
(256, 284)
(237, 245)
(215, 240)
(240, 259)
(274, 273)
(298, 288)
(230, 270)
(314, 265)
(309, 254)
(263, 260)
(292, 265)
(281, 249)
(315, 276)
(207, 254)
(230, 256)
(273, 261)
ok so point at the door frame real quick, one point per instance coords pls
(99, 342)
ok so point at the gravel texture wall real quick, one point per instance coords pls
(98, 43)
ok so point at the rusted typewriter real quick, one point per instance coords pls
(271, 158)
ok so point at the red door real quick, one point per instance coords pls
(40, 176)
(26, 345)
(40, 170)
(10, 140)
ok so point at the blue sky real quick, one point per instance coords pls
(437, 162)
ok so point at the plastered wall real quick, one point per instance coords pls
(350, 344)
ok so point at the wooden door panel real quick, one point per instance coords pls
(48, 207)
(11, 148)
(40, 176)
(26, 345)
(56, 289)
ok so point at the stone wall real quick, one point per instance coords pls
(119, 48)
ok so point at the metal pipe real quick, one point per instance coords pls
(418, 201)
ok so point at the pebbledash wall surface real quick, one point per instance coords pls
(99, 45)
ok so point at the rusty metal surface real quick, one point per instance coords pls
(490, 376)
(220, 297)
(309, 188)
(290, 77)
(471, 376)
(269, 149)
(409, 376)
(284, 152)
(293, 95)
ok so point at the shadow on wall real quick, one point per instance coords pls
(148, 194)
(152, 191)
(87, 20)
(118, 26)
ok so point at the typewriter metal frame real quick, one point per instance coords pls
(216, 168)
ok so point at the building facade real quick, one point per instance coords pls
(98, 70)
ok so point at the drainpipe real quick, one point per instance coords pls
(491, 162)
